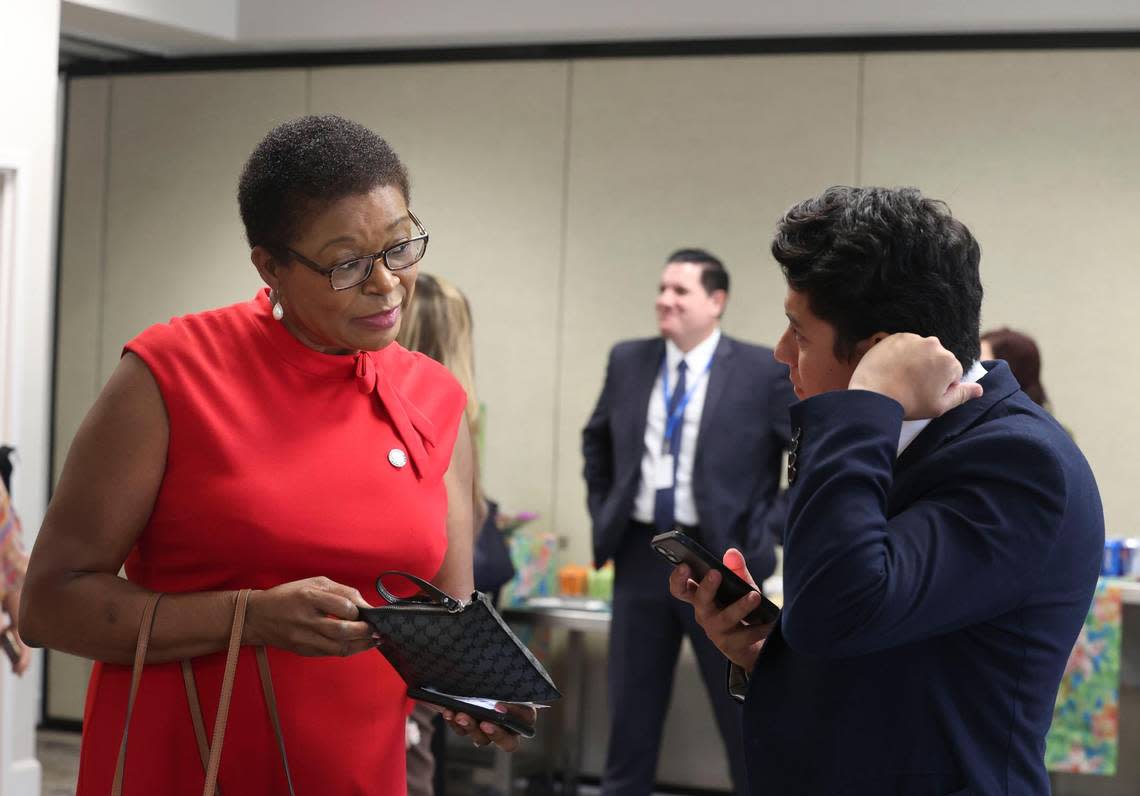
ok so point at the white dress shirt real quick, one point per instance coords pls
(912, 428)
(696, 380)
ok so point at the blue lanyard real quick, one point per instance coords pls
(673, 420)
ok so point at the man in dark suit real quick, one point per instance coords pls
(944, 534)
(689, 431)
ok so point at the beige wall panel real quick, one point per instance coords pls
(81, 259)
(684, 152)
(485, 144)
(174, 239)
(1037, 152)
(78, 320)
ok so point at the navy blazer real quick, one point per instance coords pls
(743, 431)
(931, 602)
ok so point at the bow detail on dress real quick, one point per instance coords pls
(415, 430)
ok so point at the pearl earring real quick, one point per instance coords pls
(278, 310)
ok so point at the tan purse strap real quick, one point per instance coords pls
(145, 625)
(211, 756)
(196, 714)
(219, 736)
(271, 706)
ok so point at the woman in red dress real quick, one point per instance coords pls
(285, 444)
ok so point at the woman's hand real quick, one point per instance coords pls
(315, 616)
(482, 733)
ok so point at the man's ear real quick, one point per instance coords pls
(720, 298)
(266, 265)
(867, 343)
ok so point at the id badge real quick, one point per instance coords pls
(663, 476)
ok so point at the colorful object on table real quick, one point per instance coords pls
(1121, 558)
(600, 583)
(1111, 566)
(1084, 737)
(1130, 559)
(572, 580)
(533, 556)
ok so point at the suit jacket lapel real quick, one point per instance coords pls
(718, 381)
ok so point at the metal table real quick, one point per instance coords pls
(577, 616)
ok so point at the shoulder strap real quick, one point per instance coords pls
(205, 752)
(271, 706)
(196, 715)
(145, 625)
(211, 755)
(227, 689)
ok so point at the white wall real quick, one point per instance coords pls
(28, 86)
(157, 29)
(392, 23)
(211, 26)
(205, 17)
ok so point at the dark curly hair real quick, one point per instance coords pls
(880, 259)
(302, 166)
(714, 276)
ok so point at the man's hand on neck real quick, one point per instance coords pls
(915, 371)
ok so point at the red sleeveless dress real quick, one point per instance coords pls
(278, 469)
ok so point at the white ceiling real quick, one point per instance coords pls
(177, 27)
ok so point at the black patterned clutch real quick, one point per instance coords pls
(464, 649)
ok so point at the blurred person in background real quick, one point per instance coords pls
(708, 414)
(13, 567)
(1020, 352)
(438, 324)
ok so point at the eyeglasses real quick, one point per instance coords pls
(403, 255)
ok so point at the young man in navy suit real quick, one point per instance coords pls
(944, 534)
(689, 431)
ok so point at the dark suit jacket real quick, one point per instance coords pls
(743, 431)
(930, 603)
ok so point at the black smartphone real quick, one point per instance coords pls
(507, 721)
(681, 549)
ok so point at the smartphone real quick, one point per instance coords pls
(507, 721)
(11, 646)
(681, 549)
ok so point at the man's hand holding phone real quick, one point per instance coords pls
(725, 627)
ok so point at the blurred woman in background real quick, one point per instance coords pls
(438, 324)
(1023, 357)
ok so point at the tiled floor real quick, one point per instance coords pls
(59, 755)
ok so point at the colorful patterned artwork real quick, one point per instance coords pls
(534, 556)
(1084, 735)
(13, 560)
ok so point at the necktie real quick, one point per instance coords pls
(663, 503)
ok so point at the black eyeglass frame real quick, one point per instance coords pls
(371, 258)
